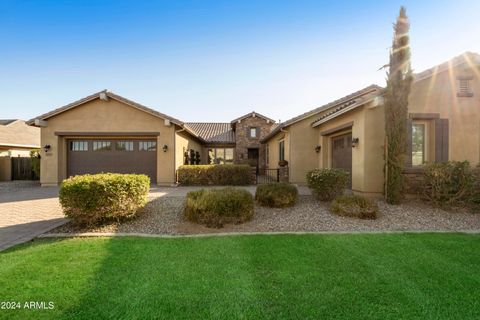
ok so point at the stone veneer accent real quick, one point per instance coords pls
(413, 180)
(244, 142)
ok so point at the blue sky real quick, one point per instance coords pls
(214, 61)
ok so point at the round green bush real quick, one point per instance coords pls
(355, 206)
(276, 194)
(326, 184)
(89, 199)
(216, 207)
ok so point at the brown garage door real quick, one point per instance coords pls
(117, 156)
(342, 154)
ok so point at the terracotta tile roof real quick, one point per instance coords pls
(252, 114)
(212, 132)
(327, 106)
(350, 104)
(96, 95)
(470, 58)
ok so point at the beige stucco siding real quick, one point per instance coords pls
(303, 158)
(438, 94)
(183, 142)
(273, 149)
(104, 117)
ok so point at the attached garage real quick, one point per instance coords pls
(122, 155)
(105, 132)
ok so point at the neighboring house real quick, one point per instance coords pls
(16, 140)
(444, 124)
(105, 132)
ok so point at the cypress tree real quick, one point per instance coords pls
(399, 80)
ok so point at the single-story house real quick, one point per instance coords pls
(17, 139)
(349, 133)
(105, 132)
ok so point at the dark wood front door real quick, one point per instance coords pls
(117, 156)
(342, 154)
(253, 156)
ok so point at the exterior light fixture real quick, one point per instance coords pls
(318, 148)
(165, 148)
(47, 147)
(355, 142)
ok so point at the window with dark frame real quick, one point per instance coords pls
(102, 146)
(267, 155)
(253, 132)
(124, 145)
(418, 144)
(78, 145)
(147, 146)
(220, 156)
(281, 150)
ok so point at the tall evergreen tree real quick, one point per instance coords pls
(399, 80)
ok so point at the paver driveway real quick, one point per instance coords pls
(26, 211)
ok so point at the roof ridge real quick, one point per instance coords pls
(457, 60)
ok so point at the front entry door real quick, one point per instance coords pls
(253, 157)
(342, 154)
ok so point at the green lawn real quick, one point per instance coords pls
(384, 276)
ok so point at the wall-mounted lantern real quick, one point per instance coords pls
(355, 142)
(165, 148)
(318, 149)
(47, 147)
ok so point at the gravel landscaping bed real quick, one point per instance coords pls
(164, 215)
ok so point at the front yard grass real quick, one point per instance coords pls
(381, 276)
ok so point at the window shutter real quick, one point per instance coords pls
(408, 161)
(441, 140)
(258, 132)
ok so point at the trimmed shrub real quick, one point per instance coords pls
(89, 199)
(214, 175)
(355, 206)
(216, 207)
(449, 183)
(276, 195)
(326, 184)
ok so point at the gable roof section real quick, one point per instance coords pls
(212, 132)
(97, 96)
(252, 114)
(16, 134)
(470, 58)
(336, 103)
(6, 122)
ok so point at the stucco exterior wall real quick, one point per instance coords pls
(367, 157)
(303, 158)
(438, 94)
(104, 117)
(273, 149)
(5, 168)
(183, 142)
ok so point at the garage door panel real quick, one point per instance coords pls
(116, 161)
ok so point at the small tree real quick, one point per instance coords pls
(192, 156)
(197, 157)
(399, 79)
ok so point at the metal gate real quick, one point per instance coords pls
(263, 175)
